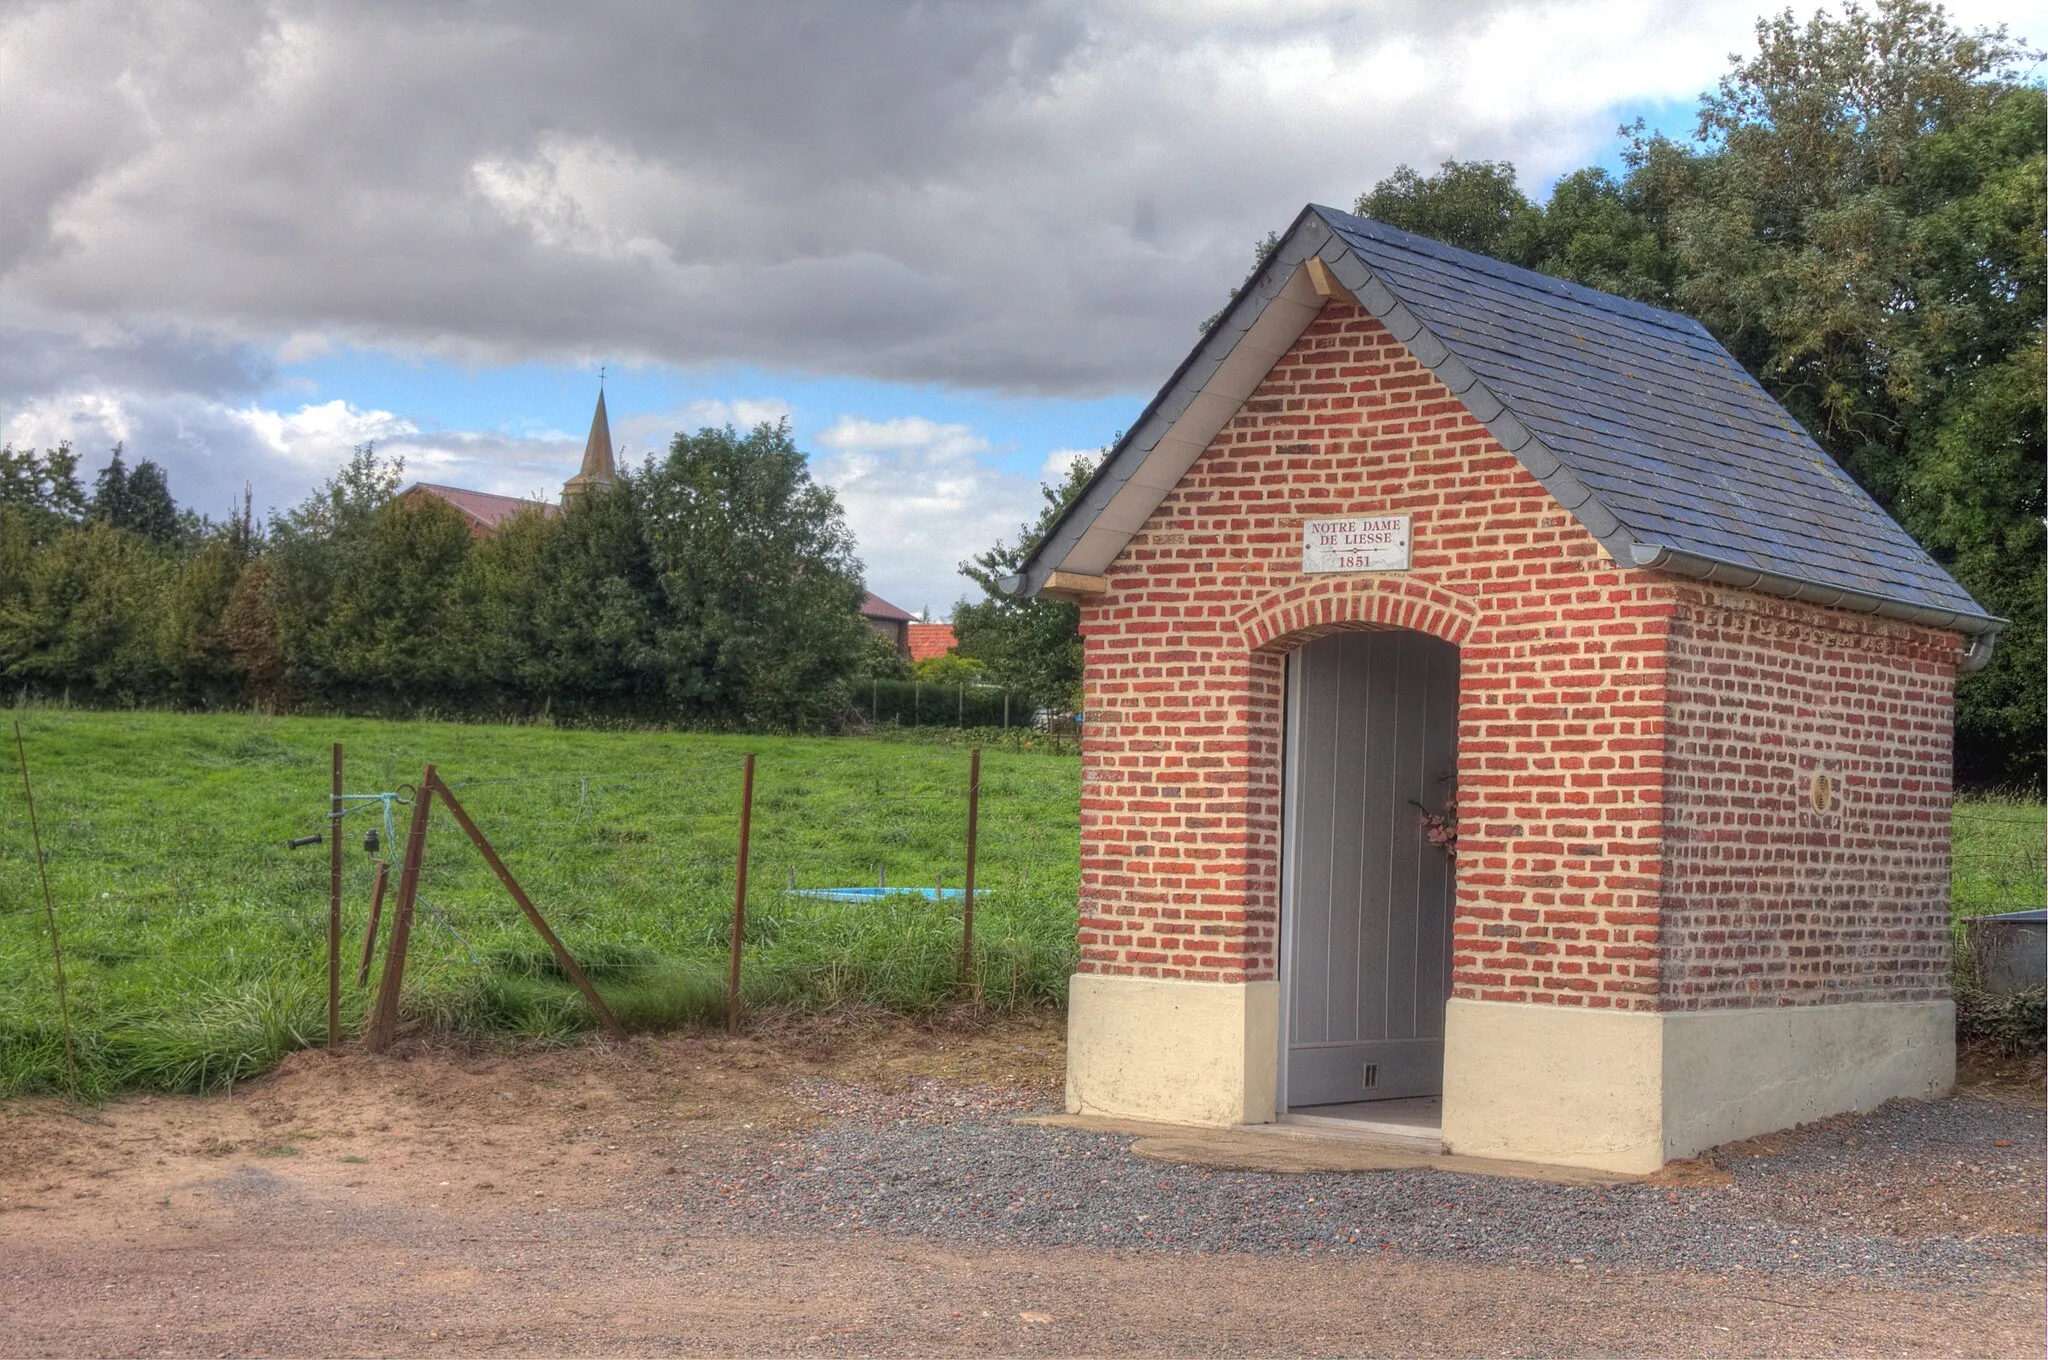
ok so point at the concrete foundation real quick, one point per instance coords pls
(1177, 1052)
(1631, 1090)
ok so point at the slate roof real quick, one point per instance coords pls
(1636, 419)
(1667, 430)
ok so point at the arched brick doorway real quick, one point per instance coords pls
(1370, 756)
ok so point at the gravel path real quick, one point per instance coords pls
(1833, 1201)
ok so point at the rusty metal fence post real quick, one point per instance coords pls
(384, 1020)
(973, 836)
(739, 900)
(376, 917)
(35, 831)
(334, 906)
(433, 784)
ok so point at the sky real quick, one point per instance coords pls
(954, 244)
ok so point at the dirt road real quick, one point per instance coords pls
(463, 1202)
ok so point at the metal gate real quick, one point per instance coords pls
(1366, 899)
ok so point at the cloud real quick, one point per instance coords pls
(742, 413)
(1053, 471)
(638, 434)
(1035, 197)
(213, 449)
(920, 499)
(920, 495)
(1038, 196)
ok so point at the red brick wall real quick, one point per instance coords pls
(1634, 749)
(1766, 899)
(1562, 688)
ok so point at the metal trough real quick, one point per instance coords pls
(2010, 950)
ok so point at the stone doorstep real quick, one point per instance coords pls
(1299, 1149)
(1415, 1124)
(1429, 1143)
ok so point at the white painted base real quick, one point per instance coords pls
(1630, 1090)
(1178, 1052)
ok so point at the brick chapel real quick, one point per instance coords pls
(1506, 729)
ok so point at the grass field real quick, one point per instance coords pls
(1998, 855)
(195, 941)
(1998, 865)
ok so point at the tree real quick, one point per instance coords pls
(1605, 234)
(40, 491)
(198, 658)
(1865, 233)
(1472, 204)
(84, 611)
(151, 511)
(314, 547)
(758, 577)
(585, 629)
(498, 588)
(1860, 220)
(110, 492)
(950, 669)
(882, 659)
(396, 629)
(250, 632)
(138, 501)
(1031, 646)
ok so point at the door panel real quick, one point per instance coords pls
(1317, 764)
(1372, 733)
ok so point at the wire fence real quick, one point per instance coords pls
(196, 939)
(1998, 857)
(917, 703)
(196, 935)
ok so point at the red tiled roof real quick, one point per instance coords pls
(486, 508)
(875, 607)
(931, 639)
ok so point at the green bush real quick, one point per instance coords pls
(2012, 1026)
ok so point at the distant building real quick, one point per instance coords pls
(928, 640)
(597, 472)
(487, 511)
(892, 623)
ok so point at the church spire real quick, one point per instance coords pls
(597, 472)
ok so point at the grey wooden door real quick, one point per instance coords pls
(1371, 743)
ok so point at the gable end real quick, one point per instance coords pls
(1273, 309)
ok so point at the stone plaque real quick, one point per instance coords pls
(1377, 544)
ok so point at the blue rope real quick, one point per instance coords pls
(442, 921)
(363, 800)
